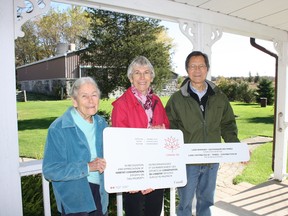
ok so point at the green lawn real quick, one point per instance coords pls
(259, 167)
(253, 120)
(34, 117)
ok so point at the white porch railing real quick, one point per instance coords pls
(35, 167)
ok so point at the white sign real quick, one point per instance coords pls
(216, 152)
(139, 159)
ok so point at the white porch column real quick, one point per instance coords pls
(202, 37)
(10, 187)
(281, 134)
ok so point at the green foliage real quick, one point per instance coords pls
(105, 115)
(228, 87)
(167, 201)
(266, 90)
(33, 196)
(180, 81)
(256, 78)
(77, 25)
(236, 90)
(27, 48)
(116, 40)
(245, 93)
(59, 91)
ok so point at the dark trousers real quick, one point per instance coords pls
(136, 204)
(97, 199)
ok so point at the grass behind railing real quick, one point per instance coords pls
(253, 120)
(259, 168)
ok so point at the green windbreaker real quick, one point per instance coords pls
(184, 113)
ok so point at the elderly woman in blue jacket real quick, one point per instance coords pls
(73, 158)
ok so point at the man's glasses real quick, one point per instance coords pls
(197, 67)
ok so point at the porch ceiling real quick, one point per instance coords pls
(266, 12)
(263, 19)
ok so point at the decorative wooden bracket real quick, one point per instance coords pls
(27, 9)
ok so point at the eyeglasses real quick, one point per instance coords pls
(195, 67)
(139, 74)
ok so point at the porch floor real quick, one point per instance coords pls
(244, 199)
(269, 198)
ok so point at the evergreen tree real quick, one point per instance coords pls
(265, 89)
(116, 39)
(256, 78)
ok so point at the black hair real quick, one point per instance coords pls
(197, 53)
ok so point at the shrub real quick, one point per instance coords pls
(228, 87)
(245, 93)
(32, 196)
(237, 90)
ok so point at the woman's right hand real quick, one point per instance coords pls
(98, 164)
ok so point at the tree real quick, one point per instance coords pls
(42, 34)
(256, 78)
(116, 40)
(236, 89)
(77, 25)
(228, 87)
(27, 49)
(266, 90)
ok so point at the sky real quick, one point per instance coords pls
(232, 55)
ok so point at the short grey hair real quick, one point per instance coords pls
(81, 81)
(140, 61)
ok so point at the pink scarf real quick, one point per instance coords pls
(146, 101)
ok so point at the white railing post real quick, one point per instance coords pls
(172, 202)
(10, 186)
(119, 198)
(34, 167)
(46, 197)
(162, 211)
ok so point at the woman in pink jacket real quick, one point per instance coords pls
(139, 107)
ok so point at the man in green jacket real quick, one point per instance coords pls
(204, 115)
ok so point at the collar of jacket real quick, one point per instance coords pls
(67, 119)
(185, 87)
(132, 97)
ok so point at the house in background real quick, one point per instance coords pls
(55, 75)
(171, 86)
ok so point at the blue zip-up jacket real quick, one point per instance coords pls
(65, 164)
